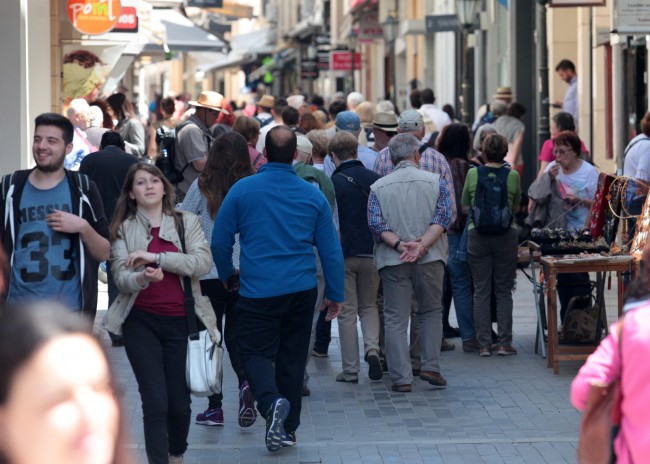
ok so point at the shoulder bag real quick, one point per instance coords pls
(204, 362)
(602, 417)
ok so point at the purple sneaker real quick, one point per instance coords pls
(247, 413)
(212, 417)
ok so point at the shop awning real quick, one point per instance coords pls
(232, 60)
(182, 34)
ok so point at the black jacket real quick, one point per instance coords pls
(108, 169)
(352, 203)
(86, 202)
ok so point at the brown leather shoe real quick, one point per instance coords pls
(434, 378)
(446, 346)
(403, 388)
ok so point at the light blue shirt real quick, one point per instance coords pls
(45, 263)
(570, 104)
(364, 154)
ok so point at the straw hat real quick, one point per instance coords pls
(210, 100)
(267, 101)
(386, 121)
(503, 93)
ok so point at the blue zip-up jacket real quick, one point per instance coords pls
(279, 218)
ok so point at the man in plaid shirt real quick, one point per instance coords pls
(412, 122)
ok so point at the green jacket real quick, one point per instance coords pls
(311, 174)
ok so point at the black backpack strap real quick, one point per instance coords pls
(7, 180)
(423, 148)
(354, 182)
(257, 159)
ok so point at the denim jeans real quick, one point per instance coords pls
(156, 347)
(460, 287)
(273, 337)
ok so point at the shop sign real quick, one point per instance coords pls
(576, 3)
(369, 27)
(324, 61)
(632, 17)
(342, 61)
(441, 23)
(93, 16)
(128, 21)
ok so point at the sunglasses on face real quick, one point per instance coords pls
(561, 151)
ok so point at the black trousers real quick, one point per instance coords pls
(224, 303)
(273, 337)
(157, 348)
(323, 333)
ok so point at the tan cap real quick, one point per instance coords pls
(386, 121)
(304, 145)
(267, 101)
(210, 100)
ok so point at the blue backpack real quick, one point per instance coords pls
(490, 212)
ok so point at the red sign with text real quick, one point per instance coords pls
(342, 61)
(128, 21)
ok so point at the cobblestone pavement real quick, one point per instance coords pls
(494, 410)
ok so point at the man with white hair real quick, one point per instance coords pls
(408, 213)
(354, 99)
(79, 115)
(95, 131)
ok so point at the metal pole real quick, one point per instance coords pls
(466, 86)
(393, 71)
(543, 129)
(353, 53)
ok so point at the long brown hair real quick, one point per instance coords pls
(126, 207)
(228, 161)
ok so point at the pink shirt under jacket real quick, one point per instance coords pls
(633, 442)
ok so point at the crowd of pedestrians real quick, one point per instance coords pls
(283, 220)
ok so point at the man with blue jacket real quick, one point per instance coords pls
(279, 218)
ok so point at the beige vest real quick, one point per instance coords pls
(408, 198)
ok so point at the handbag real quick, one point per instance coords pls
(204, 361)
(602, 418)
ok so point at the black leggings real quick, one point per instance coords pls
(223, 303)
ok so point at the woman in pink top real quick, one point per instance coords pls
(250, 129)
(560, 122)
(626, 361)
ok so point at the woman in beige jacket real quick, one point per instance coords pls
(148, 263)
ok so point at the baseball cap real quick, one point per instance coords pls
(410, 120)
(386, 121)
(304, 145)
(348, 121)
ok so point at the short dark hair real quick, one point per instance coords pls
(416, 99)
(168, 105)
(56, 120)
(516, 110)
(279, 106)
(566, 65)
(645, 124)
(495, 148)
(344, 145)
(336, 107)
(570, 139)
(317, 100)
(428, 98)
(564, 121)
(281, 144)
(112, 138)
(290, 116)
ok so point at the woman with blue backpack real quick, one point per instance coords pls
(490, 194)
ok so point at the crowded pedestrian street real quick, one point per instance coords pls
(498, 410)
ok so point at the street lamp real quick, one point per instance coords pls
(390, 26)
(312, 54)
(466, 11)
(353, 41)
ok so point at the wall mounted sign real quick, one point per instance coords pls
(93, 17)
(632, 17)
(577, 3)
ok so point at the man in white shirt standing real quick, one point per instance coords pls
(567, 72)
(439, 117)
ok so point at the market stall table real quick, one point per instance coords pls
(554, 265)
